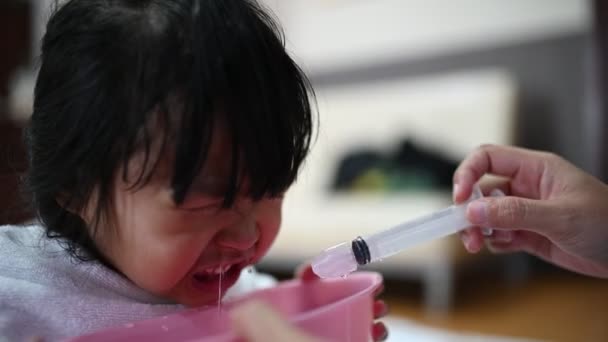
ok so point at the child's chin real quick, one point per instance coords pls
(199, 302)
(196, 299)
(191, 297)
(208, 291)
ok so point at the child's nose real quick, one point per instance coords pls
(240, 236)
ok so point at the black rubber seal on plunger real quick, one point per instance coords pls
(361, 251)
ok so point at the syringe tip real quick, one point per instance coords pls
(336, 261)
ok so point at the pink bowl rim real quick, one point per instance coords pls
(375, 279)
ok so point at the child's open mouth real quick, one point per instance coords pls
(212, 278)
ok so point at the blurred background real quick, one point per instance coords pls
(405, 89)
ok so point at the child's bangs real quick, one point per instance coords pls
(242, 76)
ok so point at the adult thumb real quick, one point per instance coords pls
(256, 321)
(538, 216)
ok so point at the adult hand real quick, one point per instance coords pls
(552, 210)
(256, 321)
(380, 308)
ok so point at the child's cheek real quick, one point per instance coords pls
(269, 221)
(168, 264)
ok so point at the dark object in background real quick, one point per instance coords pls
(354, 165)
(411, 167)
(442, 169)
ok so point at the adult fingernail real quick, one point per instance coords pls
(478, 212)
(466, 239)
(455, 190)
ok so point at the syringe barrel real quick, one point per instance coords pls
(422, 229)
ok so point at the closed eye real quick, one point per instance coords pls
(207, 209)
(201, 204)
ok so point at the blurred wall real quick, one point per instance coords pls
(544, 44)
(326, 35)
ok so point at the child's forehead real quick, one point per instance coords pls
(218, 163)
(162, 147)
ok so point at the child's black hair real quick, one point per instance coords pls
(119, 77)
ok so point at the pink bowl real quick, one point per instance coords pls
(337, 309)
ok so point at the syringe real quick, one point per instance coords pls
(346, 257)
